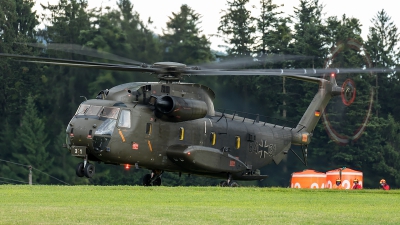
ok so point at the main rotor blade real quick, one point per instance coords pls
(283, 72)
(82, 64)
(248, 61)
(230, 73)
(83, 50)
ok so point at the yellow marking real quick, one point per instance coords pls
(122, 135)
(149, 143)
(213, 138)
(182, 133)
(237, 142)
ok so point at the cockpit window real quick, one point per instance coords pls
(106, 128)
(109, 112)
(82, 109)
(93, 110)
(125, 119)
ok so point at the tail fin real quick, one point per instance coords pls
(327, 89)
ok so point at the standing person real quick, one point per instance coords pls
(356, 184)
(384, 185)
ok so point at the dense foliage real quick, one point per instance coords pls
(37, 101)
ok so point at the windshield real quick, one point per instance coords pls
(107, 127)
(93, 110)
(110, 112)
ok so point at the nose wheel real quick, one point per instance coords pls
(80, 170)
(87, 170)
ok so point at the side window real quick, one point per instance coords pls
(237, 142)
(148, 128)
(125, 119)
(213, 138)
(82, 109)
(181, 133)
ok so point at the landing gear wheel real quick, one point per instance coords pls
(223, 184)
(234, 184)
(79, 170)
(89, 170)
(146, 180)
(157, 182)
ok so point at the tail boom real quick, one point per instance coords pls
(327, 89)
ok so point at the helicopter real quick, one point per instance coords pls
(171, 126)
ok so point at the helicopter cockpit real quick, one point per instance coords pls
(94, 123)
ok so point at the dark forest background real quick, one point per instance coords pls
(37, 101)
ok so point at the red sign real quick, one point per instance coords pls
(232, 163)
(135, 146)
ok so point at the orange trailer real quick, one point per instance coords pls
(347, 177)
(308, 179)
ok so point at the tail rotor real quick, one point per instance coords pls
(348, 93)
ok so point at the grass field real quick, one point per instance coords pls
(194, 205)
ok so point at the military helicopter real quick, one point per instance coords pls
(170, 126)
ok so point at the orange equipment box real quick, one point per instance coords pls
(308, 179)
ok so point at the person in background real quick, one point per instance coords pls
(384, 185)
(338, 184)
(356, 184)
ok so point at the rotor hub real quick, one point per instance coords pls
(348, 92)
(170, 71)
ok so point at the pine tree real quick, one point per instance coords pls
(121, 32)
(382, 46)
(237, 26)
(182, 39)
(17, 23)
(267, 25)
(26, 19)
(32, 142)
(65, 21)
(275, 37)
(308, 35)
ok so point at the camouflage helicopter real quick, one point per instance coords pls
(169, 126)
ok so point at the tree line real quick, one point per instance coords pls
(37, 101)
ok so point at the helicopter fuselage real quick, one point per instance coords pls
(127, 126)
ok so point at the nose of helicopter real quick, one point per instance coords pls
(92, 126)
(80, 132)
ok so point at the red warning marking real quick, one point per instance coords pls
(135, 146)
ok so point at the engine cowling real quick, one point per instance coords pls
(178, 109)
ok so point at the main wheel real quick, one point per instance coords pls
(233, 184)
(146, 180)
(79, 170)
(157, 182)
(223, 184)
(89, 170)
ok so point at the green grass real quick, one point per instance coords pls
(194, 205)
